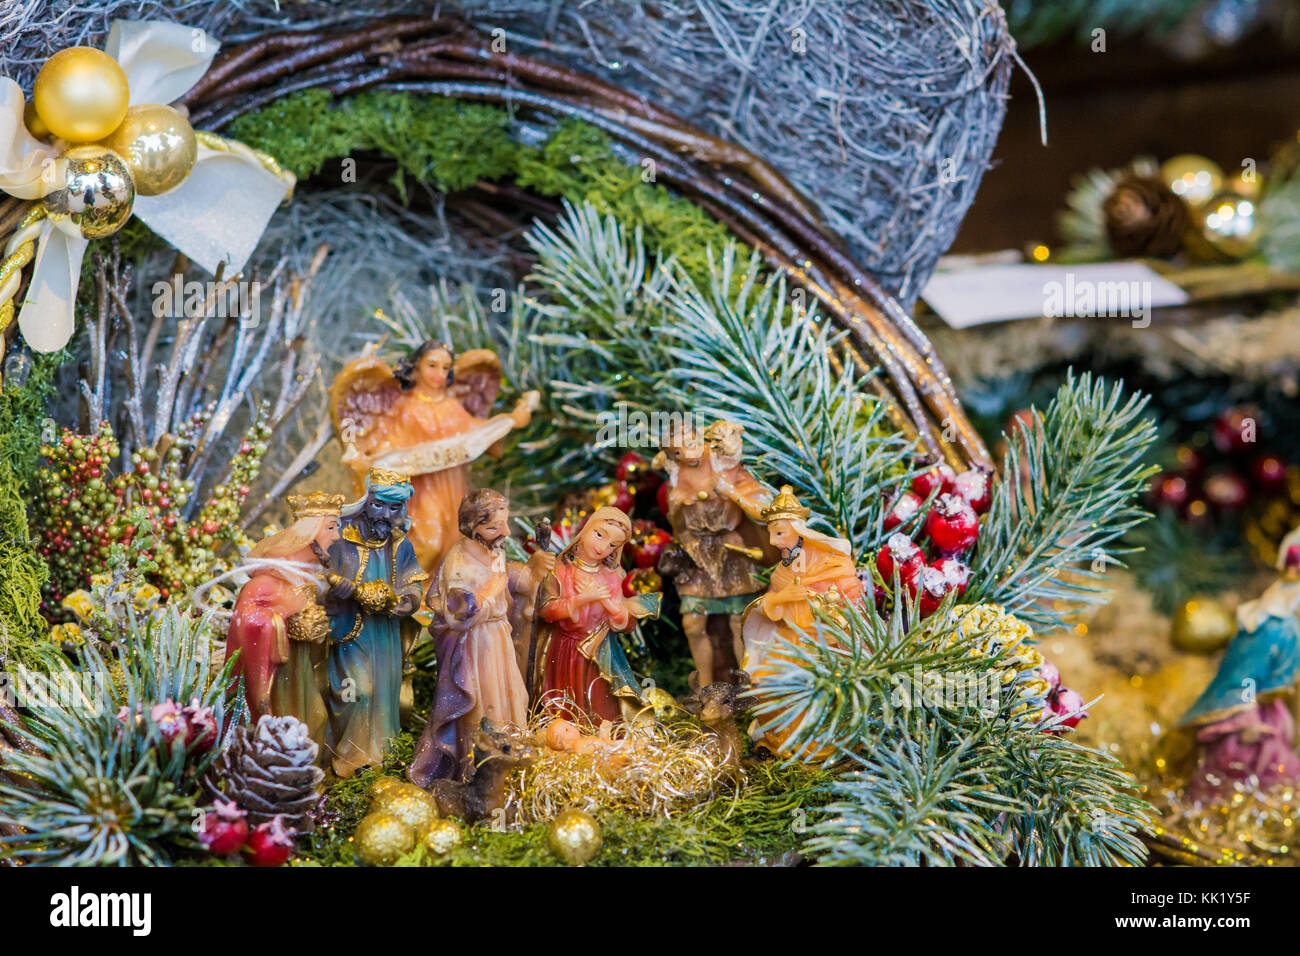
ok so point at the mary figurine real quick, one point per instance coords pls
(1242, 720)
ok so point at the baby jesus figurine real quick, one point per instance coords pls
(561, 735)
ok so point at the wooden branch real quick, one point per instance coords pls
(447, 57)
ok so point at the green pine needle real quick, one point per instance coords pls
(1048, 538)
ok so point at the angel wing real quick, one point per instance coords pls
(360, 395)
(476, 380)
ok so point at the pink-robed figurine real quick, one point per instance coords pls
(278, 627)
(579, 669)
(427, 418)
(1242, 721)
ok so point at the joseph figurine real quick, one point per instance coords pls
(478, 671)
(375, 585)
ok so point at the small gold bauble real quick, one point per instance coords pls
(1193, 179)
(381, 839)
(413, 806)
(440, 836)
(32, 120)
(1230, 224)
(95, 190)
(663, 703)
(1203, 625)
(81, 94)
(158, 145)
(574, 837)
(383, 787)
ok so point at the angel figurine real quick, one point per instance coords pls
(427, 418)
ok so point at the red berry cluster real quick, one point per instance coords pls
(636, 483)
(1218, 475)
(88, 501)
(226, 832)
(1061, 701)
(948, 528)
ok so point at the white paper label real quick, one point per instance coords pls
(1125, 291)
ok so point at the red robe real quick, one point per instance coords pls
(571, 669)
(257, 631)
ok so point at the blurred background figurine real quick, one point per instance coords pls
(478, 671)
(278, 627)
(577, 666)
(815, 572)
(375, 585)
(1243, 723)
(426, 418)
(713, 508)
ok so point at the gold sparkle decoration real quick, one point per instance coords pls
(1230, 225)
(663, 702)
(574, 837)
(440, 837)
(1194, 179)
(988, 630)
(413, 806)
(381, 839)
(1241, 826)
(645, 768)
(381, 787)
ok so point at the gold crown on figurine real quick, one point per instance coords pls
(383, 476)
(316, 503)
(784, 507)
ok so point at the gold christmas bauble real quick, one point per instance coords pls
(381, 839)
(94, 190)
(1203, 625)
(1230, 224)
(158, 145)
(384, 787)
(81, 94)
(440, 836)
(663, 702)
(32, 120)
(574, 837)
(1192, 178)
(413, 806)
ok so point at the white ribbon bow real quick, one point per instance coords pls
(217, 215)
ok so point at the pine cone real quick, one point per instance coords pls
(271, 769)
(1144, 217)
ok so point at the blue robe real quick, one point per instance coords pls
(1258, 663)
(366, 650)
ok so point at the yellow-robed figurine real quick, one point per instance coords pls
(816, 570)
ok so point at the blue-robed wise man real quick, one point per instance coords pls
(375, 585)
